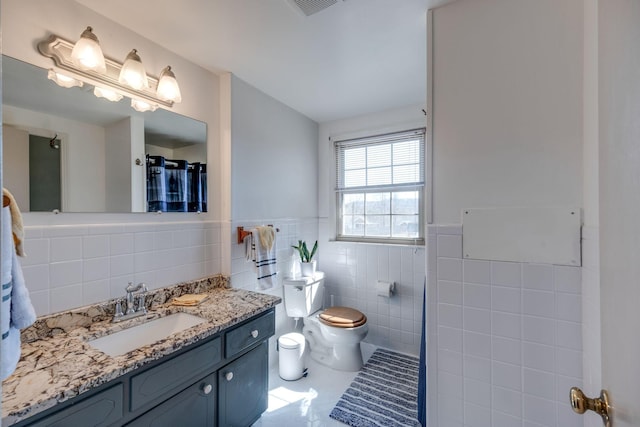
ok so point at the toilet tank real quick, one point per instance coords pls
(303, 296)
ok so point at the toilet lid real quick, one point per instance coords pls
(342, 317)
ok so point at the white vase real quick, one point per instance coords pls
(308, 269)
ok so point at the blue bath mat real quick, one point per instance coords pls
(384, 393)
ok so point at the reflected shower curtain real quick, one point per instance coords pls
(176, 184)
(195, 187)
(156, 184)
(203, 186)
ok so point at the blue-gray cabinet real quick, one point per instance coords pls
(193, 407)
(163, 380)
(220, 381)
(101, 409)
(241, 384)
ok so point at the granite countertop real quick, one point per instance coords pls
(57, 363)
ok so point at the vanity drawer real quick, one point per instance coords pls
(252, 332)
(174, 373)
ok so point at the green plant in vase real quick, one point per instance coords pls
(307, 263)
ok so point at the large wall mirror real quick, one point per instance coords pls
(67, 150)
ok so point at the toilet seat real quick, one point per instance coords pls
(342, 317)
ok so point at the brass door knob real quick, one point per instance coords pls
(581, 403)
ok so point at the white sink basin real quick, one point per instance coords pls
(124, 341)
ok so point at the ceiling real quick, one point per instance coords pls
(354, 57)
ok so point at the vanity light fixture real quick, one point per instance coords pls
(145, 91)
(108, 94)
(143, 106)
(63, 80)
(168, 88)
(132, 73)
(87, 54)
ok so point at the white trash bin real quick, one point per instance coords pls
(291, 357)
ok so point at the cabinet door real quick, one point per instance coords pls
(101, 409)
(243, 387)
(193, 407)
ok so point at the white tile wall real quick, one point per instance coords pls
(507, 341)
(243, 275)
(351, 271)
(71, 266)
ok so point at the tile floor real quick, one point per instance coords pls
(308, 401)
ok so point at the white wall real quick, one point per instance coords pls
(274, 170)
(15, 146)
(274, 165)
(592, 358)
(79, 258)
(619, 175)
(507, 118)
(118, 162)
(353, 269)
(507, 131)
(83, 150)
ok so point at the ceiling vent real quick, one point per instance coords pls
(309, 7)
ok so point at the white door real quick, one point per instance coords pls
(619, 112)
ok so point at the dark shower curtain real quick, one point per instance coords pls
(176, 185)
(176, 173)
(156, 184)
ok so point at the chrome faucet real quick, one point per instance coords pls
(133, 309)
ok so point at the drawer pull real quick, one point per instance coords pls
(206, 389)
(229, 376)
(254, 333)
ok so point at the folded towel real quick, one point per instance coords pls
(262, 255)
(17, 228)
(267, 236)
(17, 311)
(189, 300)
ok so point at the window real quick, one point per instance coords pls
(380, 187)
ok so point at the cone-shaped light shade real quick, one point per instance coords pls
(132, 73)
(87, 54)
(168, 89)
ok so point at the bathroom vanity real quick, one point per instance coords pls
(214, 373)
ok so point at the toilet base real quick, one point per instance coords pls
(344, 355)
(346, 358)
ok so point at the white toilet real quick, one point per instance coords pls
(334, 334)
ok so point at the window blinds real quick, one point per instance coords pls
(389, 161)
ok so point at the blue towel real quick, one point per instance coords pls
(422, 368)
(17, 311)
